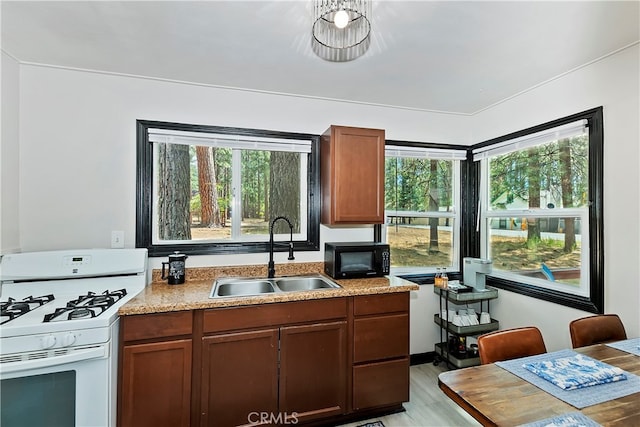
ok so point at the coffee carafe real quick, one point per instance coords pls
(176, 267)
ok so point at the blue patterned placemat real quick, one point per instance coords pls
(571, 419)
(580, 398)
(579, 371)
(631, 345)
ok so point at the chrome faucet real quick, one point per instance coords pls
(271, 266)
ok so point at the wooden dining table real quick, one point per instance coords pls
(496, 397)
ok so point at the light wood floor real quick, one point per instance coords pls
(428, 406)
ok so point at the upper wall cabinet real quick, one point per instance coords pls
(352, 169)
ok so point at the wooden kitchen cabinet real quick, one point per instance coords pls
(319, 361)
(352, 175)
(380, 351)
(287, 361)
(313, 370)
(155, 370)
(239, 377)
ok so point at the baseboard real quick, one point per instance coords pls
(420, 358)
(356, 417)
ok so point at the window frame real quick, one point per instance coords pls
(145, 191)
(595, 301)
(426, 274)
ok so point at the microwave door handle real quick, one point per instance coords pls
(75, 356)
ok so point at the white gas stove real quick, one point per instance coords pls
(59, 314)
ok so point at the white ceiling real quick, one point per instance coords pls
(451, 56)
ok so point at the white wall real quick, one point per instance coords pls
(77, 164)
(9, 153)
(78, 146)
(614, 84)
(78, 152)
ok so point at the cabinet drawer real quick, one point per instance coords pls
(379, 304)
(149, 326)
(234, 318)
(381, 384)
(381, 337)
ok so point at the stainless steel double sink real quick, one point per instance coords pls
(244, 286)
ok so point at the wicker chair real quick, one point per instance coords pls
(597, 329)
(510, 344)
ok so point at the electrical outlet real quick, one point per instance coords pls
(117, 239)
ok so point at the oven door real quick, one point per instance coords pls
(57, 388)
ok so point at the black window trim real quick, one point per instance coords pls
(144, 193)
(595, 302)
(470, 238)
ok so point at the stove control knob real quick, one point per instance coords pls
(48, 341)
(68, 339)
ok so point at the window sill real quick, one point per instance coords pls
(550, 295)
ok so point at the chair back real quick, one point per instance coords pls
(510, 344)
(597, 329)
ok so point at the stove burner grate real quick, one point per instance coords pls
(86, 306)
(12, 309)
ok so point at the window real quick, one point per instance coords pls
(206, 189)
(422, 207)
(540, 210)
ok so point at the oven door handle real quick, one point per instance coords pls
(47, 362)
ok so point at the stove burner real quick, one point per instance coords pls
(13, 309)
(80, 313)
(86, 306)
(102, 299)
(20, 307)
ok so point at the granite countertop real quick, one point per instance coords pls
(158, 296)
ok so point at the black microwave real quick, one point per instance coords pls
(349, 260)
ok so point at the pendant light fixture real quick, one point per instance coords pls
(341, 29)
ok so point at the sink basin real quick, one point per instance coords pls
(309, 283)
(239, 287)
(243, 287)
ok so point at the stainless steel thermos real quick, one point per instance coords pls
(176, 267)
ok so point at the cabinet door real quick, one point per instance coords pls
(313, 376)
(156, 384)
(352, 164)
(239, 377)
